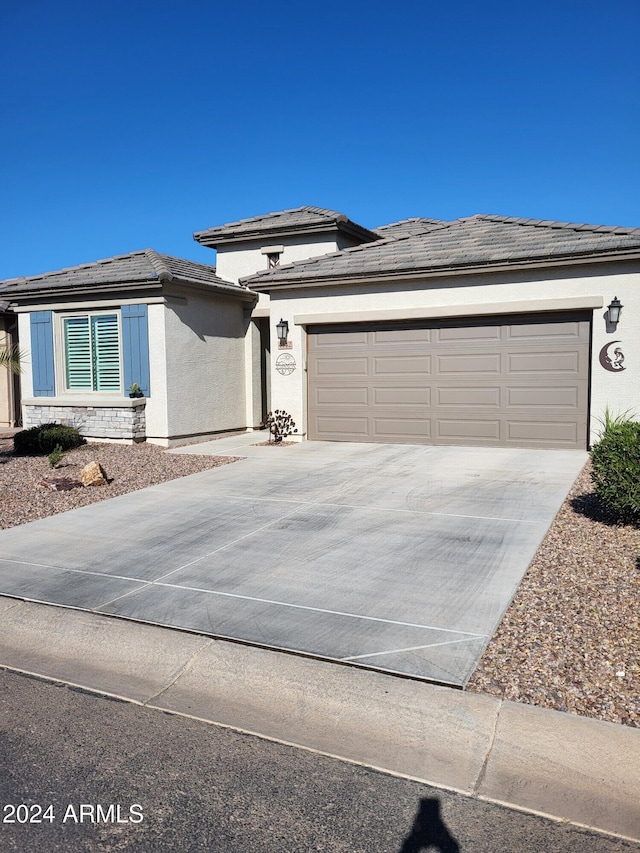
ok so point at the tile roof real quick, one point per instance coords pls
(296, 220)
(471, 243)
(143, 267)
(417, 225)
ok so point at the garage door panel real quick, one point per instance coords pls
(327, 395)
(571, 330)
(469, 333)
(401, 429)
(545, 396)
(411, 395)
(536, 363)
(401, 365)
(475, 363)
(357, 428)
(342, 340)
(468, 429)
(542, 432)
(468, 395)
(401, 336)
(522, 381)
(324, 367)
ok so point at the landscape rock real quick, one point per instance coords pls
(93, 475)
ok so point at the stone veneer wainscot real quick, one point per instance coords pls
(114, 419)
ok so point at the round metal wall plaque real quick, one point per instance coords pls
(611, 357)
(285, 364)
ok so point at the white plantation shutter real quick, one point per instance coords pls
(77, 346)
(106, 352)
(92, 353)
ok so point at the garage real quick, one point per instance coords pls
(510, 381)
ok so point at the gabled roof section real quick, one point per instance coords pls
(476, 243)
(284, 223)
(137, 270)
(408, 227)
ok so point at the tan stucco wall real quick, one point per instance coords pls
(539, 290)
(205, 365)
(233, 262)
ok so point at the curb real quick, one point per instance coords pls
(547, 762)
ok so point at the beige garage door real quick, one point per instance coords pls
(520, 381)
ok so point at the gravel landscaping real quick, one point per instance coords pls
(127, 467)
(570, 639)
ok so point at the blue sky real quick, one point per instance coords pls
(130, 124)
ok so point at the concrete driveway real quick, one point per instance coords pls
(398, 557)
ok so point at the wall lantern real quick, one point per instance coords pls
(615, 306)
(282, 329)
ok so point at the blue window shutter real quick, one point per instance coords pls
(135, 347)
(42, 354)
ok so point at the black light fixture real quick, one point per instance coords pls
(615, 306)
(282, 329)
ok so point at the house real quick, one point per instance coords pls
(170, 326)
(485, 330)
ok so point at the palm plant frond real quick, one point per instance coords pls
(11, 358)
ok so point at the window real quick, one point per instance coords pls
(92, 352)
(273, 260)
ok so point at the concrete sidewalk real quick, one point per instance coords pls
(567, 767)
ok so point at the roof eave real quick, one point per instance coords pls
(437, 272)
(102, 288)
(213, 241)
(152, 287)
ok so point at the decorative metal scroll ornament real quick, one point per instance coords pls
(612, 358)
(285, 364)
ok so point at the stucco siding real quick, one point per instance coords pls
(205, 366)
(235, 262)
(620, 391)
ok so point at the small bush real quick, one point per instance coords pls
(56, 456)
(616, 470)
(45, 438)
(280, 425)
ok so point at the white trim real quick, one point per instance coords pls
(462, 310)
(260, 313)
(272, 250)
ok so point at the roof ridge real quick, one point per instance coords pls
(158, 265)
(551, 223)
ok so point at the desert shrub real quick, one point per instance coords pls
(280, 425)
(56, 456)
(616, 470)
(45, 438)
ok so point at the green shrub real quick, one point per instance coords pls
(616, 470)
(56, 456)
(45, 438)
